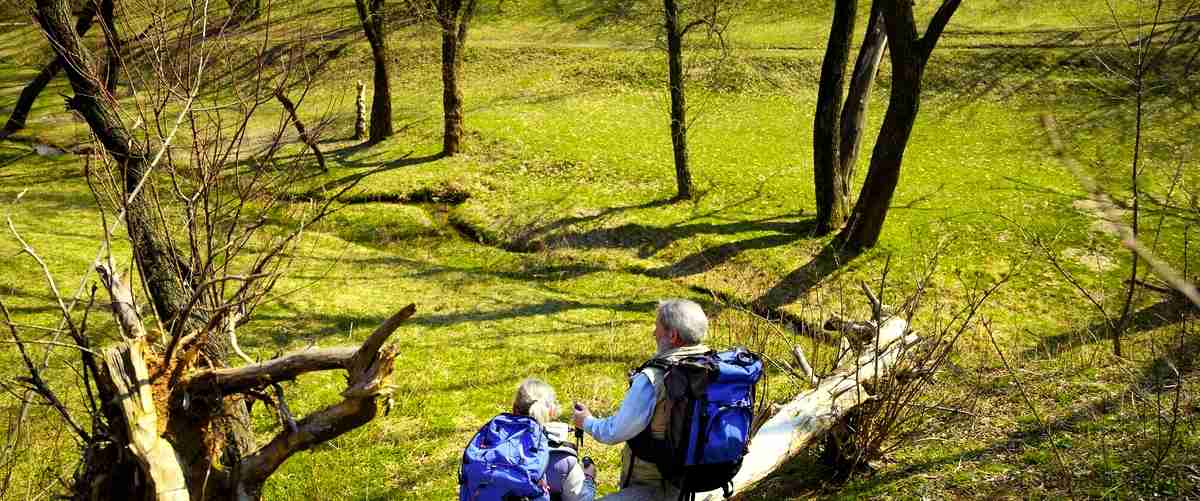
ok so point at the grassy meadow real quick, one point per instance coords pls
(542, 249)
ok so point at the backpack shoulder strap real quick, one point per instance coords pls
(654, 363)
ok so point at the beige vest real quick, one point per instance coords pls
(635, 471)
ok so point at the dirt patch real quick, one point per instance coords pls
(1107, 215)
(1091, 259)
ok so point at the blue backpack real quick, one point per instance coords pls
(710, 404)
(505, 461)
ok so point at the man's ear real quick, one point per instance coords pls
(676, 339)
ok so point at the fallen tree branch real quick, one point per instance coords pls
(232, 380)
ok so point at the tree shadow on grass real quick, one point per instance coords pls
(649, 240)
(306, 325)
(1166, 312)
(376, 168)
(798, 282)
(711, 257)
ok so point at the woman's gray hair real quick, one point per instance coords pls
(536, 399)
(685, 317)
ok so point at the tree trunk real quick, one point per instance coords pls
(360, 112)
(854, 110)
(866, 222)
(454, 17)
(452, 97)
(30, 93)
(827, 173)
(381, 104)
(909, 55)
(683, 175)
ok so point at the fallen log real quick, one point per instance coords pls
(806, 418)
(809, 416)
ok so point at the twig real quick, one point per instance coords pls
(49, 343)
(798, 355)
(987, 326)
(1128, 238)
(35, 379)
(944, 408)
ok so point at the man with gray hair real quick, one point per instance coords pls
(680, 329)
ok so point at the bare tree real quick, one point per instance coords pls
(370, 13)
(1150, 70)
(168, 414)
(680, 18)
(453, 17)
(909, 57)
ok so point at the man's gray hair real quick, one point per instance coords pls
(685, 317)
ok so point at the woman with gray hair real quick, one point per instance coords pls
(567, 477)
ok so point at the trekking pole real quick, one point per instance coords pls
(579, 441)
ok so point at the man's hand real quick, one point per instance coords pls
(581, 414)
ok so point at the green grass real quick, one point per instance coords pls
(567, 166)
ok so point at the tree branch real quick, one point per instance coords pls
(122, 301)
(355, 360)
(369, 367)
(937, 25)
(37, 383)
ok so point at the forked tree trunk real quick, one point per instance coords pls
(674, 32)
(178, 463)
(16, 121)
(854, 110)
(909, 55)
(371, 17)
(828, 177)
(454, 18)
